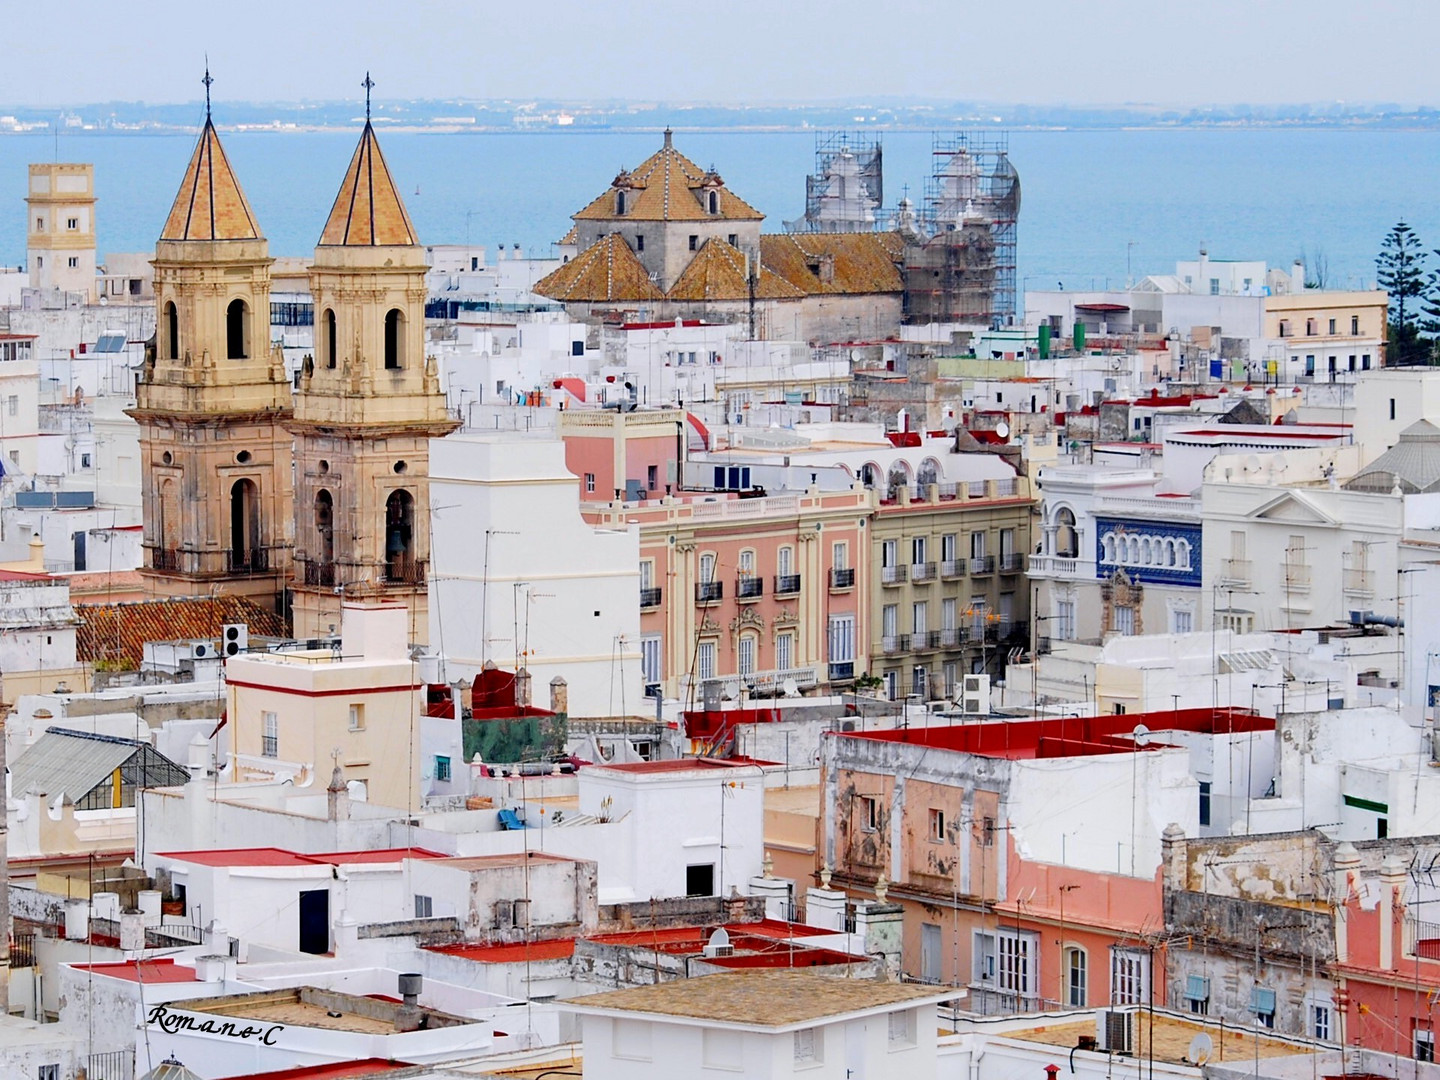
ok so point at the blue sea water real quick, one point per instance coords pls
(1090, 198)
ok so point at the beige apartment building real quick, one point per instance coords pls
(1322, 333)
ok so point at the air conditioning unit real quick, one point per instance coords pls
(1114, 1032)
(203, 650)
(234, 639)
(975, 695)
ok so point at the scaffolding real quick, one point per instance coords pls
(961, 265)
(845, 192)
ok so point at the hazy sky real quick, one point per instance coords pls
(1034, 51)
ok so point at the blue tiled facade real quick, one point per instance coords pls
(1147, 550)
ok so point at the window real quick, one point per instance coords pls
(172, 331)
(1284, 327)
(869, 813)
(1197, 994)
(639, 241)
(650, 658)
(424, 907)
(889, 553)
(937, 824)
(840, 555)
(442, 769)
(12, 406)
(746, 567)
(700, 879)
(713, 201)
(1076, 977)
(85, 461)
(917, 550)
(919, 617)
(1182, 622)
(72, 223)
(39, 224)
(977, 545)
(1204, 802)
(1332, 326)
(1065, 620)
(948, 548)
(394, 339)
(694, 242)
(785, 562)
(707, 568)
(785, 650)
(47, 1072)
(949, 613)
(807, 1040)
(270, 739)
(987, 832)
(328, 326)
(652, 476)
(889, 622)
(1355, 325)
(357, 717)
(1320, 1020)
(1424, 1044)
(1262, 1004)
(745, 655)
(1392, 408)
(73, 262)
(590, 483)
(901, 1026)
(705, 660)
(1129, 977)
(1122, 619)
(237, 330)
(842, 639)
(1006, 960)
(1311, 328)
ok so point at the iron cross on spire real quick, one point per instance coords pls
(207, 80)
(368, 84)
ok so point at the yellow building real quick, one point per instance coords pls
(368, 403)
(215, 460)
(60, 228)
(301, 713)
(1322, 333)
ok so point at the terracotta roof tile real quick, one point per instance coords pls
(718, 273)
(119, 631)
(668, 186)
(605, 271)
(368, 210)
(857, 262)
(571, 237)
(210, 204)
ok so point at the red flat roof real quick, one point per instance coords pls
(511, 954)
(335, 1071)
(142, 971)
(270, 856)
(1070, 736)
(677, 765)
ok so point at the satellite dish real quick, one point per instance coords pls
(1140, 732)
(789, 689)
(1003, 430)
(1201, 1047)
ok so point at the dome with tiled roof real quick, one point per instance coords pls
(668, 186)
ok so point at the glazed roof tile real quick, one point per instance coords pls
(862, 262)
(606, 271)
(668, 186)
(368, 211)
(210, 204)
(119, 631)
(718, 273)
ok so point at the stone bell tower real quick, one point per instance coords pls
(368, 404)
(212, 396)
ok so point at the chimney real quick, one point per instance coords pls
(337, 796)
(522, 688)
(408, 1016)
(559, 695)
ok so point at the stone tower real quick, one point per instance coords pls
(368, 403)
(60, 228)
(212, 398)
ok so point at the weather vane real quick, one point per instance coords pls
(207, 80)
(367, 84)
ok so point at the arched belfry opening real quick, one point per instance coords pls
(400, 564)
(237, 330)
(394, 339)
(245, 553)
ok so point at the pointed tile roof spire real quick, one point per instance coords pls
(368, 211)
(210, 204)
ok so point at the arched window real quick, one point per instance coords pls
(619, 202)
(714, 203)
(1067, 542)
(245, 555)
(394, 339)
(1169, 552)
(1132, 551)
(237, 330)
(929, 473)
(325, 528)
(1145, 556)
(1182, 553)
(169, 531)
(172, 331)
(329, 343)
(400, 562)
(869, 474)
(1107, 547)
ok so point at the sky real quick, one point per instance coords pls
(1045, 52)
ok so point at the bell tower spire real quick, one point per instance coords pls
(367, 405)
(215, 477)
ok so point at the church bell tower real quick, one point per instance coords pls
(212, 397)
(369, 401)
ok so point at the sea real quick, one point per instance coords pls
(1099, 206)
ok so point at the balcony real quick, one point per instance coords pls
(890, 644)
(749, 587)
(709, 592)
(404, 570)
(1297, 578)
(253, 561)
(952, 568)
(1012, 563)
(952, 638)
(925, 642)
(1234, 574)
(762, 683)
(320, 573)
(892, 575)
(842, 670)
(1054, 564)
(649, 598)
(922, 571)
(984, 564)
(842, 579)
(787, 584)
(1359, 582)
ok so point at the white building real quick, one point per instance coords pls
(521, 579)
(762, 1024)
